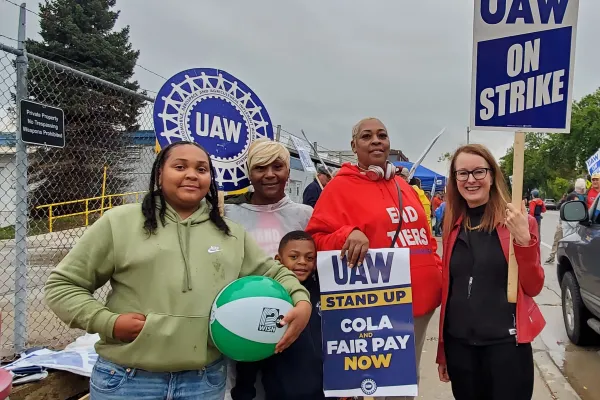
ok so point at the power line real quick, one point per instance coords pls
(324, 148)
(331, 153)
(9, 38)
(152, 72)
(33, 12)
(77, 62)
(27, 9)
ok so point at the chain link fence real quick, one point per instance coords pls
(50, 195)
(104, 163)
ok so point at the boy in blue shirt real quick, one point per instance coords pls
(297, 372)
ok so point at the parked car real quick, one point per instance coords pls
(550, 204)
(578, 270)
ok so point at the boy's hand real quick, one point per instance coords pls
(128, 326)
(296, 318)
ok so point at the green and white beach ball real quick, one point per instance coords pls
(245, 318)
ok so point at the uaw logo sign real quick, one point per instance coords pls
(218, 111)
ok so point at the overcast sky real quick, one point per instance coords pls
(322, 65)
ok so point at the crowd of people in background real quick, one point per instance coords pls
(578, 192)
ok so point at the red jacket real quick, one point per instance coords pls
(352, 201)
(591, 197)
(536, 202)
(530, 321)
(435, 203)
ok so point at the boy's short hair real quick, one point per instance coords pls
(294, 235)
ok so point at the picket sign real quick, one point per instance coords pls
(593, 163)
(303, 149)
(523, 64)
(517, 200)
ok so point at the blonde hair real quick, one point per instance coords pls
(264, 151)
(356, 128)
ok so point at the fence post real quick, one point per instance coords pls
(21, 198)
(103, 191)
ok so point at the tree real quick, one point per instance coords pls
(570, 151)
(536, 166)
(557, 187)
(80, 34)
(554, 161)
(447, 156)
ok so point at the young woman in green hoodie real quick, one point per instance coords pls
(166, 261)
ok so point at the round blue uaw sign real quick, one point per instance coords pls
(218, 111)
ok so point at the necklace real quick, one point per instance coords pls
(472, 228)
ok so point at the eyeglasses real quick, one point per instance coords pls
(478, 174)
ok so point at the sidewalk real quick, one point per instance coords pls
(431, 388)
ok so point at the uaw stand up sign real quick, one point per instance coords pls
(218, 111)
(368, 326)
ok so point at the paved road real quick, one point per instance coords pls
(580, 365)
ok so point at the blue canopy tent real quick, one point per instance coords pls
(427, 176)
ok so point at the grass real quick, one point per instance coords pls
(40, 226)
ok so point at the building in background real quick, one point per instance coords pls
(7, 179)
(343, 156)
(141, 153)
(397, 155)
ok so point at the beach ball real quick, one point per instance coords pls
(245, 318)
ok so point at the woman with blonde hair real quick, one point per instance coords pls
(360, 209)
(267, 213)
(484, 345)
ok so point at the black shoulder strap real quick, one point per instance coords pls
(399, 215)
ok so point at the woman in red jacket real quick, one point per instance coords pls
(358, 210)
(485, 342)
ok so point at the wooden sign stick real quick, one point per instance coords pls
(318, 181)
(517, 200)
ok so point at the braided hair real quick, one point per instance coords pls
(154, 191)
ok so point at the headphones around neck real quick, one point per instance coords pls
(376, 173)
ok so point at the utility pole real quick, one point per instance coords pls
(468, 134)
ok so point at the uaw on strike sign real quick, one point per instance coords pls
(523, 61)
(367, 324)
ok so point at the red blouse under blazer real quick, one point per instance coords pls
(530, 321)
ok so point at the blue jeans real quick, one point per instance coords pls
(538, 218)
(437, 229)
(110, 381)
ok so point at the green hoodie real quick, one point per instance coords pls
(171, 277)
